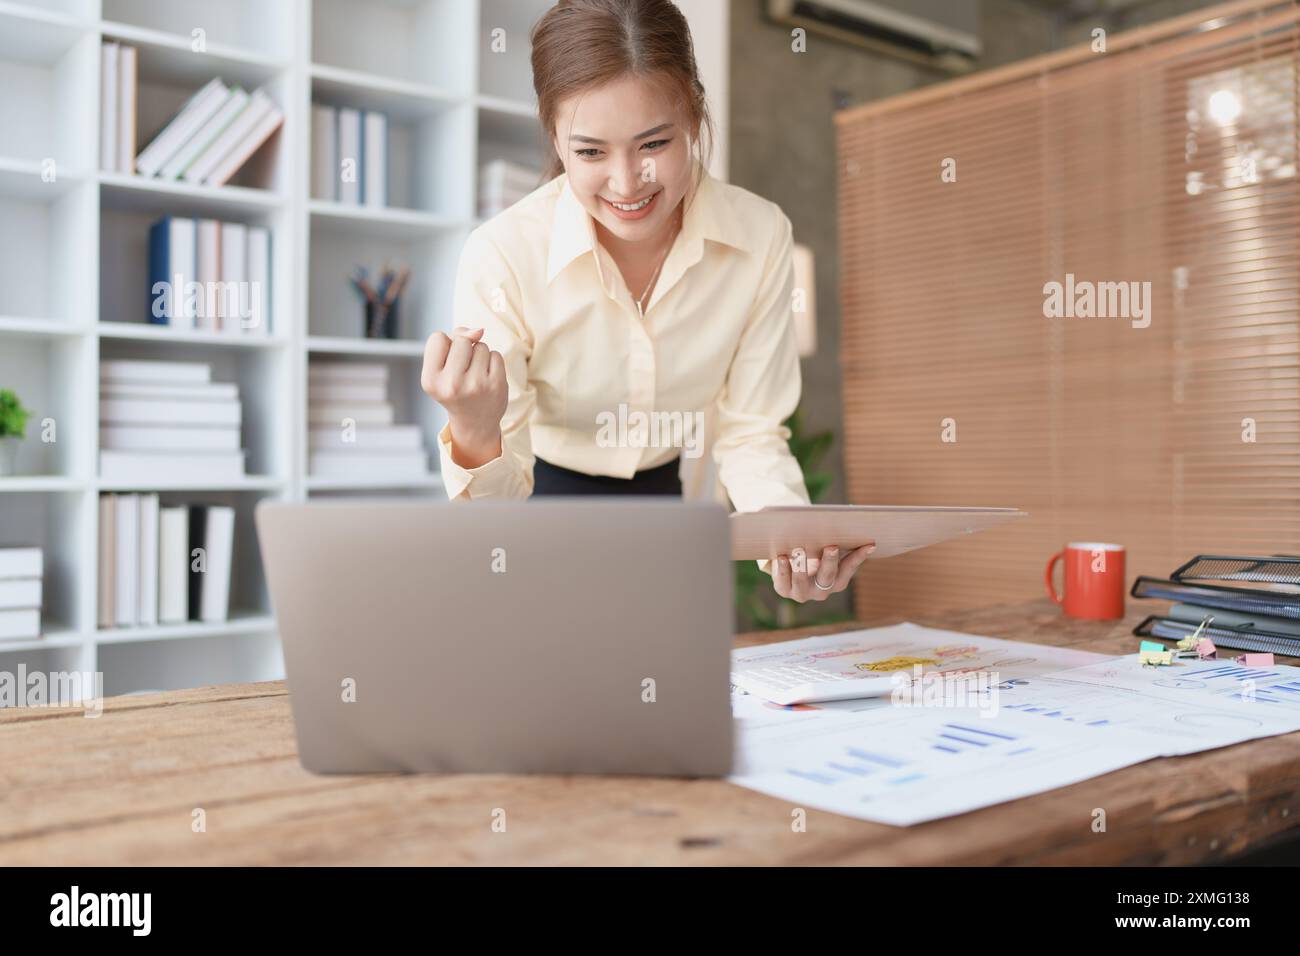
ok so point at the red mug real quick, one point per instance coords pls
(1093, 581)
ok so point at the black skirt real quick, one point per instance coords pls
(551, 479)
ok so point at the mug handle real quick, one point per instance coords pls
(1051, 566)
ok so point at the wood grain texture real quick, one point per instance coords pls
(121, 789)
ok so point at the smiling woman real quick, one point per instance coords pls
(631, 285)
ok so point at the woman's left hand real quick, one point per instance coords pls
(802, 578)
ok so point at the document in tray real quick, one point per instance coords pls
(894, 529)
(1038, 728)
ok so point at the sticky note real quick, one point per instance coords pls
(1255, 660)
(1156, 657)
(1151, 646)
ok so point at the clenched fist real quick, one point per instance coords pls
(468, 379)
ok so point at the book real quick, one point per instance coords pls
(259, 281)
(154, 371)
(374, 165)
(197, 562)
(234, 278)
(209, 392)
(171, 268)
(230, 139)
(21, 563)
(324, 155)
(126, 109)
(219, 539)
(207, 270)
(147, 606)
(350, 158)
(139, 467)
(108, 90)
(184, 157)
(347, 391)
(361, 413)
(246, 148)
(20, 625)
(198, 109)
(378, 437)
(127, 559)
(325, 372)
(170, 437)
(107, 615)
(20, 593)
(173, 565)
(143, 411)
(367, 463)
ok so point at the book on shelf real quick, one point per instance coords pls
(349, 161)
(349, 152)
(368, 463)
(324, 152)
(203, 138)
(127, 70)
(21, 571)
(212, 530)
(108, 95)
(235, 144)
(153, 371)
(207, 270)
(502, 183)
(168, 421)
(378, 437)
(352, 433)
(173, 565)
(374, 159)
(210, 276)
(198, 109)
(151, 574)
(126, 559)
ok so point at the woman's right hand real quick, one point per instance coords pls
(468, 379)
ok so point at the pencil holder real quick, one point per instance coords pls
(381, 320)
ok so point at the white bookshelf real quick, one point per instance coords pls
(73, 267)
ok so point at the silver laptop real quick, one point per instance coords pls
(556, 635)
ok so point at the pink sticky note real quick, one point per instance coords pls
(1206, 650)
(1255, 660)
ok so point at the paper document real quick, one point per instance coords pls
(1052, 717)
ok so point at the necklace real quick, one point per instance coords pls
(640, 303)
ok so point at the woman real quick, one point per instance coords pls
(631, 288)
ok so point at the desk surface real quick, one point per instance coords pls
(122, 788)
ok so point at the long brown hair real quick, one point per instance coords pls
(582, 44)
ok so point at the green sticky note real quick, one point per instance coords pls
(1151, 646)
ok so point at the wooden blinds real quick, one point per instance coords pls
(1153, 402)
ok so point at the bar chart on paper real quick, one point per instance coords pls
(903, 766)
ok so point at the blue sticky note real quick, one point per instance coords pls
(1151, 646)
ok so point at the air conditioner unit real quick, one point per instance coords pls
(936, 33)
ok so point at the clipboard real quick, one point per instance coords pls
(895, 529)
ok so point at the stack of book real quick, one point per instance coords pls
(211, 276)
(349, 155)
(167, 421)
(216, 132)
(163, 565)
(501, 184)
(117, 108)
(20, 593)
(352, 434)
(1258, 611)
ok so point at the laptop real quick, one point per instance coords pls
(554, 635)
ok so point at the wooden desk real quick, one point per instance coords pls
(121, 789)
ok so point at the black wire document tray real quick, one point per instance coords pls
(1273, 569)
(1243, 639)
(1246, 600)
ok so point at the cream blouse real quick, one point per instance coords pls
(717, 335)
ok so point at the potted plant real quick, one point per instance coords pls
(13, 426)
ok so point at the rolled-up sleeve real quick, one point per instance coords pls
(487, 294)
(762, 388)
